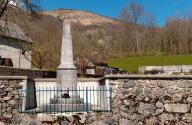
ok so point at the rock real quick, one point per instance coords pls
(2, 94)
(64, 123)
(24, 122)
(2, 86)
(98, 123)
(129, 85)
(146, 99)
(177, 98)
(116, 117)
(11, 102)
(35, 122)
(83, 118)
(138, 91)
(166, 117)
(189, 99)
(9, 89)
(56, 123)
(126, 102)
(159, 105)
(140, 123)
(90, 120)
(126, 122)
(7, 115)
(151, 121)
(70, 118)
(2, 123)
(146, 109)
(152, 84)
(44, 117)
(6, 98)
(14, 92)
(171, 91)
(8, 109)
(187, 117)
(177, 108)
(109, 121)
(182, 123)
(162, 84)
(159, 111)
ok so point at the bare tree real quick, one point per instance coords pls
(3, 6)
(30, 6)
(134, 14)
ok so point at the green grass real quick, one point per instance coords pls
(131, 64)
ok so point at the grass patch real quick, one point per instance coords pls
(131, 64)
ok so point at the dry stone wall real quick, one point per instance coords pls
(152, 102)
(136, 101)
(8, 101)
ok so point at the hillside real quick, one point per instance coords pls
(83, 17)
(92, 35)
(104, 37)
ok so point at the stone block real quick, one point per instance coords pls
(129, 85)
(6, 98)
(2, 123)
(44, 117)
(166, 117)
(177, 108)
(189, 99)
(177, 97)
(98, 123)
(159, 105)
(126, 122)
(187, 117)
(146, 109)
(35, 122)
(7, 115)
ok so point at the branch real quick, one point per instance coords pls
(4, 7)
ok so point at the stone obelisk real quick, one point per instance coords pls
(66, 71)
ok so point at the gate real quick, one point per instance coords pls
(55, 100)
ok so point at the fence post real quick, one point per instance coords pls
(87, 99)
(24, 95)
(110, 90)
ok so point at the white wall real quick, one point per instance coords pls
(167, 69)
(11, 49)
(94, 97)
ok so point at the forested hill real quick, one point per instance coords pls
(125, 39)
(108, 38)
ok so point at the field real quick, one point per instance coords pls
(131, 64)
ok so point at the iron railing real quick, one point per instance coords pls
(55, 100)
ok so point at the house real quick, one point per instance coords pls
(15, 44)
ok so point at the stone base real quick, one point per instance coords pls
(59, 104)
(67, 101)
(67, 78)
(64, 108)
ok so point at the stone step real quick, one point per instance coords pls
(65, 108)
(66, 101)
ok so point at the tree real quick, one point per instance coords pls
(135, 15)
(132, 13)
(10, 11)
(30, 6)
(3, 6)
(46, 34)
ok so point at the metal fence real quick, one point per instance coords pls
(55, 100)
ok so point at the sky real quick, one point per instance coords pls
(160, 9)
